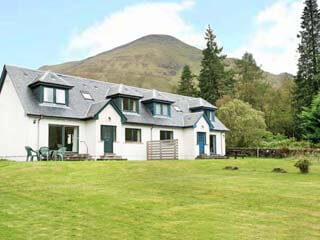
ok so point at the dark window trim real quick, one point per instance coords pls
(166, 132)
(132, 129)
(168, 114)
(63, 134)
(135, 102)
(66, 95)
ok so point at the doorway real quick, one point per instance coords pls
(108, 136)
(213, 145)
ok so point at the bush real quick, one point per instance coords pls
(281, 141)
(303, 165)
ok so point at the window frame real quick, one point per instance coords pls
(132, 105)
(54, 95)
(65, 96)
(161, 112)
(139, 135)
(44, 94)
(166, 133)
(84, 94)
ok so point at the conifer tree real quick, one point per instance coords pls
(214, 80)
(310, 124)
(307, 79)
(251, 85)
(186, 85)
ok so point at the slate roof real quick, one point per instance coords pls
(121, 89)
(80, 108)
(156, 95)
(51, 78)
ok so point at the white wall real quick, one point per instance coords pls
(15, 127)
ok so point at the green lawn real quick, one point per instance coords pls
(159, 200)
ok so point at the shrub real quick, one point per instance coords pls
(303, 165)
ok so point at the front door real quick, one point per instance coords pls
(108, 135)
(201, 142)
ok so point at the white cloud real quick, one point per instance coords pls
(274, 44)
(131, 23)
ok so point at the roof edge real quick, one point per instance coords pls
(3, 77)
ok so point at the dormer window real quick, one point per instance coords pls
(54, 95)
(129, 104)
(211, 115)
(48, 95)
(60, 96)
(162, 109)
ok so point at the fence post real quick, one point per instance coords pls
(258, 154)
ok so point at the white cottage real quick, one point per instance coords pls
(99, 118)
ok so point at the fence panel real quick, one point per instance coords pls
(162, 150)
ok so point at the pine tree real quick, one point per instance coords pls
(251, 86)
(186, 85)
(307, 79)
(310, 124)
(214, 80)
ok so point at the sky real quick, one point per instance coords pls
(36, 32)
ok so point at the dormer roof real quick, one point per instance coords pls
(156, 96)
(123, 90)
(50, 79)
(200, 103)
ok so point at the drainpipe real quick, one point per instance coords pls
(151, 133)
(38, 131)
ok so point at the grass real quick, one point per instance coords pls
(158, 200)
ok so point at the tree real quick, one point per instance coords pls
(186, 85)
(310, 124)
(278, 109)
(247, 125)
(307, 79)
(214, 80)
(251, 86)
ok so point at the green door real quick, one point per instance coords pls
(108, 135)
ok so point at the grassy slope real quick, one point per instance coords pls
(158, 200)
(154, 61)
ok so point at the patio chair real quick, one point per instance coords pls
(59, 153)
(31, 153)
(44, 153)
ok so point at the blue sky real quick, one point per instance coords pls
(35, 33)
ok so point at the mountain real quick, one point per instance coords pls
(153, 61)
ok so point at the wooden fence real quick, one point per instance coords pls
(270, 152)
(162, 150)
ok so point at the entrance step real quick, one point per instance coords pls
(77, 157)
(111, 157)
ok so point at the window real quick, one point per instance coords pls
(60, 96)
(162, 109)
(86, 96)
(177, 109)
(48, 95)
(212, 115)
(165, 110)
(158, 109)
(133, 135)
(129, 105)
(53, 95)
(166, 135)
(63, 136)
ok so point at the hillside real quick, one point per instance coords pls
(153, 61)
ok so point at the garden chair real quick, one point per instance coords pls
(44, 153)
(60, 153)
(31, 153)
